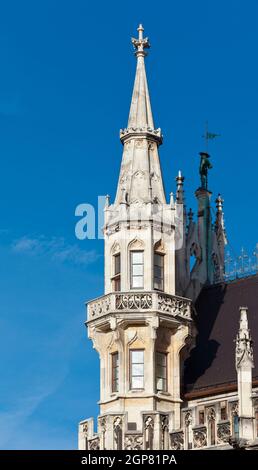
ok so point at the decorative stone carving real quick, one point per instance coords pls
(177, 440)
(223, 432)
(200, 437)
(136, 244)
(139, 174)
(148, 422)
(103, 424)
(117, 422)
(85, 429)
(174, 305)
(133, 301)
(244, 350)
(141, 143)
(94, 444)
(115, 248)
(188, 418)
(133, 442)
(100, 307)
(211, 414)
(124, 178)
(234, 409)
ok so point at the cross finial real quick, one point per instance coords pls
(141, 43)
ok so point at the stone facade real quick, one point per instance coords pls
(143, 324)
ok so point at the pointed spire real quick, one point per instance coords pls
(140, 115)
(140, 112)
(180, 188)
(140, 173)
(244, 344)
(220, 223)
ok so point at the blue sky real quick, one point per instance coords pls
(67, 71)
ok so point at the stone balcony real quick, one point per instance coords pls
(141, 302)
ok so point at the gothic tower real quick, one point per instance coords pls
(140, 325)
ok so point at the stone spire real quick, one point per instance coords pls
(219, 223)
(140, 115)
(180, 188)
(244, 365)
(244, 348)
(140, 176)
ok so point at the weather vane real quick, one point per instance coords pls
(208, 136)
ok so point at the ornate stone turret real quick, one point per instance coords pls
(139, 326)
(244, 366)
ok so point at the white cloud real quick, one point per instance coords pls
(56, 248)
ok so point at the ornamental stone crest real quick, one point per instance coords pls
(177, 441)
(133, 442)
(211, 414)
(188, 418)
(223, 433)
(94, 444)
(200, 438)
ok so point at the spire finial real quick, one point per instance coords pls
(141, 43)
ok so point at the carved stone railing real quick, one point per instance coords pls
(200, 437)
(177, 440)
(223, 432)
(139, 302)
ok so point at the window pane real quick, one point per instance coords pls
(158, 260)
(137, 257)
(137, 357)
(158, 271)
(117, 264)
(159, 384)
(161, 359)
(137, 382)
(115, 372)
(137, 281)
(157, 284)
(137, 269)
(161, 372)
(137, 369)
(117, 284)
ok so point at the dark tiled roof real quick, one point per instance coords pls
(212, 360)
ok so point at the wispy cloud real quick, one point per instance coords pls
(56, 247)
